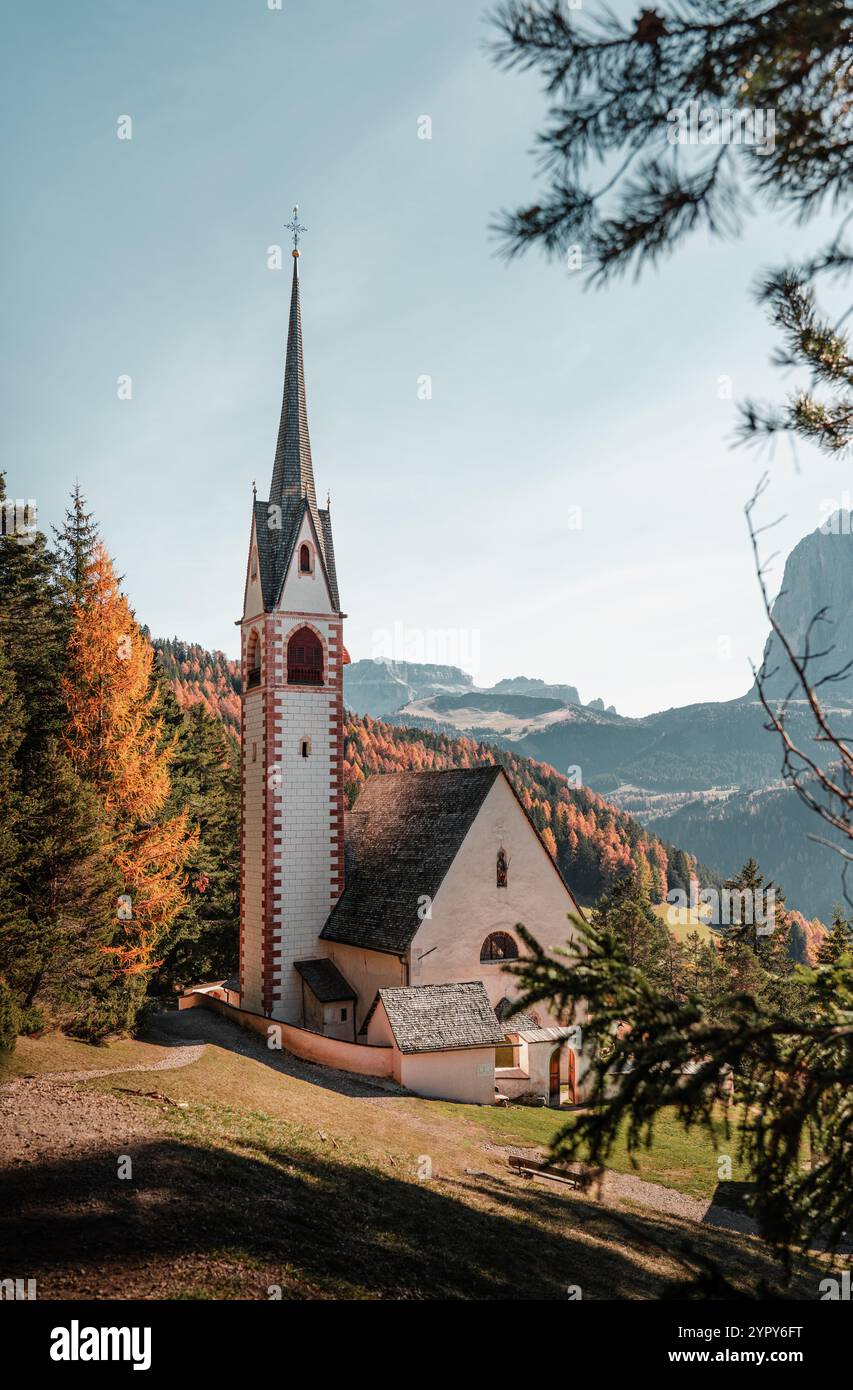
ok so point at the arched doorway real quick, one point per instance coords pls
(573, 1076)
(554, 1077)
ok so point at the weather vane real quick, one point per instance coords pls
(296, 228)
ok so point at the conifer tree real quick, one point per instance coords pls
(34, 630)
(74, 545)
(53, 893)
(794, 1071)
(11, 738)
(838, 940)
(205, 775)
(749, 896)
(52, 952)
(625, 912)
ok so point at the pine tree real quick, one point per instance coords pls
(54, 891)
(34, 629)
(52, 951)
(838, 940)
(9, 1018)
(205, 775)
(653, 1055)
(115, 741)
(625, 911)
(748, 898)
(12, 726)
(74, 545)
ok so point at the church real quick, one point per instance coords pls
(386, 927)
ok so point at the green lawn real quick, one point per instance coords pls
(684, 1160)
(683, 920)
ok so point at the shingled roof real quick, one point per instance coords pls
(405, 834)
(440, 1018)
(324, 980)
(513, 1022)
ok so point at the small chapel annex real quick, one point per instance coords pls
(384, 930)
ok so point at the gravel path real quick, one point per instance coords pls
(627, 1187)
(213, 1028)
(184, 1057)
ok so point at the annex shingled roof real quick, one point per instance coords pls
(441, 1018)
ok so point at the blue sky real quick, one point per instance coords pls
(148, 257)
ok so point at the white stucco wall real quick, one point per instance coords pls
(366, 971)
(469, 905)
(533, 1060)
(466, 1075)
(336, 1027)
(305, 593)
(302, 811)
(253, 599)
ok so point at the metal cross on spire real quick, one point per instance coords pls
(295, 228)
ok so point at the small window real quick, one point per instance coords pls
(253, 661)
(344, 1015)
(503, 868)
(498, 946)
(305, 559)
(254, 566)
(305, 748)
(254, 752)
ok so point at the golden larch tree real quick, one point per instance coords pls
(115, 739)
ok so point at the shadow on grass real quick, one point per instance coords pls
(321, 1227)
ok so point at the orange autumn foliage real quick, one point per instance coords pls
(115, 741)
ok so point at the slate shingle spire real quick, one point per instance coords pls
(292, 491)
(293, 474)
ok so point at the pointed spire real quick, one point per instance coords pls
(293, 475)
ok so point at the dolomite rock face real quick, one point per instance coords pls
(818, 575)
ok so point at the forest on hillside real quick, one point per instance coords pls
(119, 809)
(593, 842)
(120, 802)
(201, 677)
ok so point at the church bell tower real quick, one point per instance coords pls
(291, 824)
